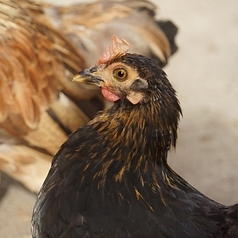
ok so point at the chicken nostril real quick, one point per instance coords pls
(93, 69)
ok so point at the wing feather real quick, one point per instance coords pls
(133, 21)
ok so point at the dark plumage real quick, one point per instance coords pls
(111, 177)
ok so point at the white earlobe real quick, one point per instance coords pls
(135, 97)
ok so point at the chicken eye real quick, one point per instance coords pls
(120, 74)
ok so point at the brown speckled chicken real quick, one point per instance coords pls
(41, 47)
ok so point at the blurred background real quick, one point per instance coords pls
(204, 73)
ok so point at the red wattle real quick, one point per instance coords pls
(109, 95)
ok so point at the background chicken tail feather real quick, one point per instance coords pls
(170, 30)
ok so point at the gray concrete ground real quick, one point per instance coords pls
(205, 74)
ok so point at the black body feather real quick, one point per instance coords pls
(110, 179)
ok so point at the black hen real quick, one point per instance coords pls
(111, 177)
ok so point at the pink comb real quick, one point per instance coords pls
(119, 47)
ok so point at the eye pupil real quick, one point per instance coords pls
(120, 73)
